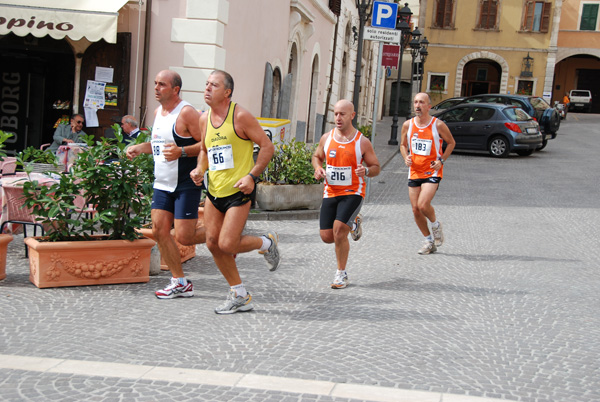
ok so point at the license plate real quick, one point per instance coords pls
(579, 104)
(531, 131)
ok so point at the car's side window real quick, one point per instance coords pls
(455, 115)
(481, 114)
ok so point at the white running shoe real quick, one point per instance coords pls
(357, 232)
(428, 248)
(438, 235)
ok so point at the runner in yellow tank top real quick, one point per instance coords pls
(229, 157)
(228, 135)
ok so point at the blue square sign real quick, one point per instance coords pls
(384, 15)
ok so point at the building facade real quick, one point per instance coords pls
(290, 59)
(578, 53)
(490, 46)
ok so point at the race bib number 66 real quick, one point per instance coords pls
(220, 158)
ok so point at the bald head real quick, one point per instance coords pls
(422, 104)
(343, 112)
(172, 77)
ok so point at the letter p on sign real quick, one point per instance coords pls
(384, 15)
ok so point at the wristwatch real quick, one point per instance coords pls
(183, 154)
(441, 160)
(366, 171)
(253, 178)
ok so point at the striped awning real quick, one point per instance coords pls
(92, 19)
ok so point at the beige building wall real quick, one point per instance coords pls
(452, 48)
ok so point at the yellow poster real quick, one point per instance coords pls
(110, 95)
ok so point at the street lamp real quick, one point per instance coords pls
(424, 54)
(404, 27)
(363, 14)
(415, 47)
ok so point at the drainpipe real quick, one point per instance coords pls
(143, 105)
(335, 36)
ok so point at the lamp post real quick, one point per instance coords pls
(415, 46)
(404, 27)
(424, 54)
(363, 14)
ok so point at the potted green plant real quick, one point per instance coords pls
(288, 182)
(119, 192)
(33, 159)
(4, 238)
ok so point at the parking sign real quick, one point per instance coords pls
(384, 15)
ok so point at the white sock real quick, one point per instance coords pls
(429, 238)
(435, 224)
(266, 243)
(240, 290)
(182, 281)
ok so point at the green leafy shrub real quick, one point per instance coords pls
(366, 131)
(291, 164)
(120, 192)
(35, 155)
(3, 137)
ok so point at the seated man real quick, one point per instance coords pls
(130, 128)
(68, 134)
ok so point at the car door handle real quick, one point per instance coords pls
(458, 127)
(487, 126)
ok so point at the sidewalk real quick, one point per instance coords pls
(385, 153)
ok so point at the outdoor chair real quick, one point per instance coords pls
(16, 213)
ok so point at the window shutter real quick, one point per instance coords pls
(448, 13)
(528, 18)
(483, 15)
(545, 25)
(335, 6)
(439, 14)
(589, 16)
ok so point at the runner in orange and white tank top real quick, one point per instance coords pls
(421, 147)
(339, 159)
(342, 159)
(425, 148)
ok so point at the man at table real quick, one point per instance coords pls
(130, 127)
(68, 133)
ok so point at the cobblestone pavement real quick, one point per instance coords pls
(507, 308)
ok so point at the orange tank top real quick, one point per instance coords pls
(425, 147)
(342, 159)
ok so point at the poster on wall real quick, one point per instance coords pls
(110, 95)
(94, 100)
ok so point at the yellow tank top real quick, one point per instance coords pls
(229, 157)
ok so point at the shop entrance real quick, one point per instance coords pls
(35, 74)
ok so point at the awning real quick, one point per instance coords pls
(93, 19)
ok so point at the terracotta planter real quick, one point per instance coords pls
(281, 197)
(4, 240)
(82, 263)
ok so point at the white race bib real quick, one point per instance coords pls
(158, 145)
(220, 157)
(339, 175)
(421, 147)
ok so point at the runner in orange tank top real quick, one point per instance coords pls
(421, 147)
(343, 152)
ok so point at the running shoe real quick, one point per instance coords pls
(357, 232)
(235, 303)
(176, 289)
(438, 235)
(340, 281)
(428, 248)
(272, 254)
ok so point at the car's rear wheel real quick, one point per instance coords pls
(524, 152)
(544, 143)
(499, 147)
